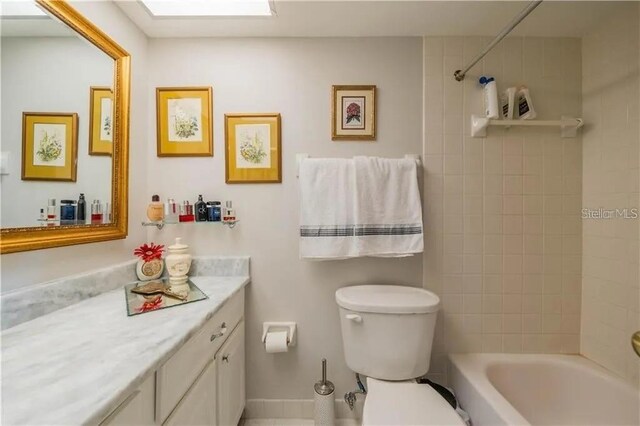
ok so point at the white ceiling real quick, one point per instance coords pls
(327, 18)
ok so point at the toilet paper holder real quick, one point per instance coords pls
(289, 327)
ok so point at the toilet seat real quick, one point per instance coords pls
(406, 403)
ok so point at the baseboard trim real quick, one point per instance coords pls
(296, 409)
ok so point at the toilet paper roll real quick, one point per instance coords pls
(276, 341)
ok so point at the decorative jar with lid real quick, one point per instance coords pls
(178, 261)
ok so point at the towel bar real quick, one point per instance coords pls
(300, 157)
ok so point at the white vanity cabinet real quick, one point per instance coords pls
(231, 384)
(203, 383)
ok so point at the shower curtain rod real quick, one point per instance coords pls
(459, 74)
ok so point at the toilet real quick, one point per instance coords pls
(387, 333)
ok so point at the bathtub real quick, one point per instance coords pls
(515, 389)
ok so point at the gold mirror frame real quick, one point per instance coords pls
(24, 239)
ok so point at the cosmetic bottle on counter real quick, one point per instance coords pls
(229, 213)
(82, 210)
(106, 213)
(155, 211)
(171, 211)
(186, 212)
(68, 212)
(96, 212)
(201, 210)
(214, 212)
(51, 209)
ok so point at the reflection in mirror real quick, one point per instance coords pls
(57, 122)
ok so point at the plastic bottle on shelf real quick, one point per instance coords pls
(507, 102)
(525, 106)
(490, 97)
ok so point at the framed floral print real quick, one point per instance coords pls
(253, 148)
(101, 124)
(184, 121)
(49, 146)
(353, 113)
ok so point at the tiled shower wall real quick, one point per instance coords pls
(502, 213)
(611, 164)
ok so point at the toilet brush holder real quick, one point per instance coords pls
(324, 406)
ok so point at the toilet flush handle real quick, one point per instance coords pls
(354, 317)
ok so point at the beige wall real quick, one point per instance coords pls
(503, 236)
(293, 77)
(28, 268)
(611, 96)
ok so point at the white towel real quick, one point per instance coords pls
(360, 207)
(326, 208)
(388, 210)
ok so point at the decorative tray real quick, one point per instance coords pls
(147, 296)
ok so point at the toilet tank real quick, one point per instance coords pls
(387, 330)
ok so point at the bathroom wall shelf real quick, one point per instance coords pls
(161, 224)
(568, 125)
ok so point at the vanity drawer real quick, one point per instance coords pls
(177, 375)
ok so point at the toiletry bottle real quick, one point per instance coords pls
(82, 209)
(490, 96)
(200, 210)
(155, 211)
(525, 106)
(171, 211)
(51, 209)
(43, 218)
(106, 213)
(67, 212)
(217, 211)
(186, 212)
(229, 213)
(507, 102)
(96, 212)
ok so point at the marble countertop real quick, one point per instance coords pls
(75, 365)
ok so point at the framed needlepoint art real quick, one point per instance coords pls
(253, 148)
(184, 121)
(353, 113)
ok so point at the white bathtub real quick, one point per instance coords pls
(514, 389)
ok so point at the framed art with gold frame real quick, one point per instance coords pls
(253, 148)
(101, 124)
(184, 121)
(353, 113)
(49, 146)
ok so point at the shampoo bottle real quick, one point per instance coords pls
(525, 107)
(507, 102)
(490, 97)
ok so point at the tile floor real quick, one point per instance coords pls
(292, 422)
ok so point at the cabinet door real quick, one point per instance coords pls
(137, 409)
(198, 407)
(230, 360)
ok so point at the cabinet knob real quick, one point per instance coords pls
(225, 358)
(223, 330)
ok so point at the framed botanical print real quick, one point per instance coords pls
(49, 146)
(253, 148)
(353, 113)
(101, 124)
(184, 121)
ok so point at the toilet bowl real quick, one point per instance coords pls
(387, 334)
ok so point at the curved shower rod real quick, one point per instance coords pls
(459, 74)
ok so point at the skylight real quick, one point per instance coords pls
(20, 9)
(185, 8)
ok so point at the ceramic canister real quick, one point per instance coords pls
(178, 261)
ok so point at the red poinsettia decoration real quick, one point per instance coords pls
(149, 252)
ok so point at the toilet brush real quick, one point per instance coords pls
(324, 409)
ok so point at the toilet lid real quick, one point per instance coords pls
(406, 403)
(387, 299)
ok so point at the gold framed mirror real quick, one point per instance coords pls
(61, 233)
